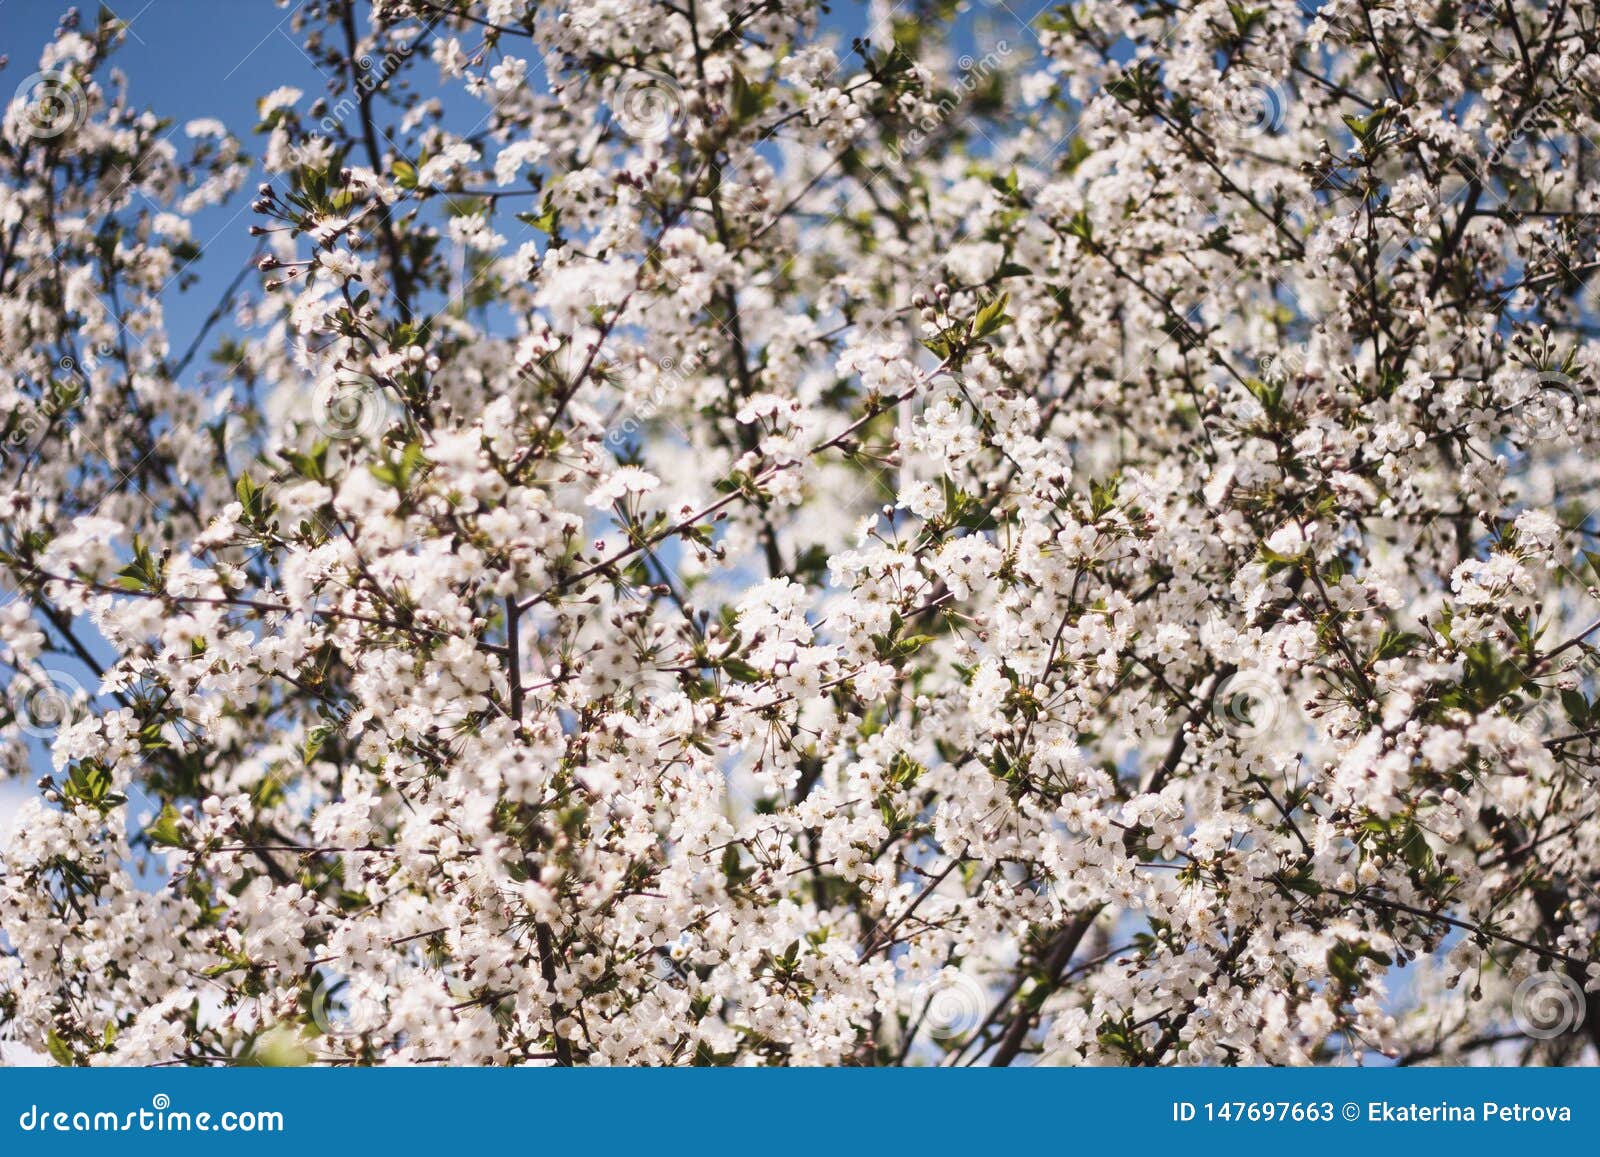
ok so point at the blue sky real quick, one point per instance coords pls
(185, 59)
(215, 58)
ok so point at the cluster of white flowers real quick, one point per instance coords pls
(743, 548)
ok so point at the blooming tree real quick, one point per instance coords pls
(1058, 537)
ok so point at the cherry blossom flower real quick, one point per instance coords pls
(697, 541)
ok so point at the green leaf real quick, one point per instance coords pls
(313, 743)
(1392, 644)
(947, 345)
(1103, 495)
(1269, 394)
(58, 1049)
(88, 782)
(749, 100)
(254, 500)
(144, 573)
(312, 465)
(1244, 19)
(1577, 709)
(1081, 227)
(742, 671)
(1342, 960)
(904, 771)
(1419, 856)
(991, 317)
(547, 220)
(399, 472)
(1366, 128)
(910, 645)
(165, 830)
